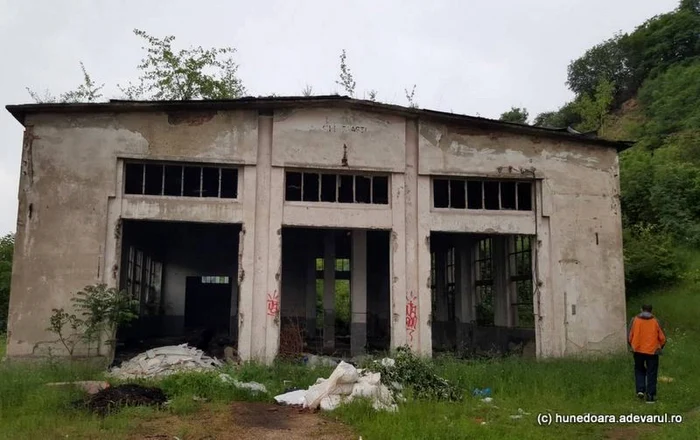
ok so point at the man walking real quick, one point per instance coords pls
(647, 340)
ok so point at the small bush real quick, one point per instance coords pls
(650, 259)
(418, 375)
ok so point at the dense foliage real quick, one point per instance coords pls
(7, 246)
(645, 86)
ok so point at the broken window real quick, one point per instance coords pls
(336, 188)
(482, 194)
(483, 283)
(520, 277)
(215, 280)
(180, 180)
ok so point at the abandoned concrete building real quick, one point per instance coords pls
(354, 225)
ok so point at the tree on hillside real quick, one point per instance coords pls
(194, 73)
(88, 91)
(7, 246)
(604, 61)
(516, 115)
(566, 116)
(593, 108)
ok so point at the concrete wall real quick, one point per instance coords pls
(71, 204)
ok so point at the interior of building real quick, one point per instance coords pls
(482, 293)
(183, 276)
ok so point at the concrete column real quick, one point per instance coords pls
(464, 295)
(310, 288)
(397, 262)
(441, 303)
(246, 267)
(274, 261)
(500, 282)
(329, 291)
(358, 292)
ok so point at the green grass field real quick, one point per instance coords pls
(30, 410)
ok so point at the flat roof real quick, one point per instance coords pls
(20, 112)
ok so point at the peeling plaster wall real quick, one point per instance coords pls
(67, 229)
(582, 297)
(70, 204)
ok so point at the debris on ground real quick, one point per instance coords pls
(255, 387)
(343, 385)
(410, 372)
(163, 361)
(113, 398)
(665, 379)
(485, 392)
(89, 386)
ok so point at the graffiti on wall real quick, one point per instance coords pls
(273, 303)
(411, 315)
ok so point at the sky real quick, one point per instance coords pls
(475, 57)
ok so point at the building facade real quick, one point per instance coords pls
(324, 224)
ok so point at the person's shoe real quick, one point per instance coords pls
(640, 395)
(651, 399)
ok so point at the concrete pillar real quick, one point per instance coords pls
(464, 295)
(329, 291)
(274, 261)
(310, 289)
(398, 296)
(358, 292)
(246, 267)
(500, 282)
(441, 303)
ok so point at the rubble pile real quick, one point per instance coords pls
(163, 361)
(343, 385)
(113, 398)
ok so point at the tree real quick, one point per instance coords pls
(7, 246)
(605, 61)
(88, 91)
(194, 73)
(346, 81)
(410, 97)
(516, 115)
(566, 116)
(593, 109)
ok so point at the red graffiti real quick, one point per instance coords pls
(273, 304)
(411, 315)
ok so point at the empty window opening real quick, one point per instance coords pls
(524, 196)
(329, 188)
(475, 194)
(363, 189)
(293, 187)
(441, 196)
(133, 181)
(491, 195)
(173, 180)
(180, 180)
(380, 190)
(345, 194)
(340, 188)
(211, 178)
(154, 180)
(508, 199)
(310, 187)
(482, 194)
(458, 194)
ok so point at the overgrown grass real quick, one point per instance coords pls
(29, 409)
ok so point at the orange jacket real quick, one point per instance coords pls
(645, 334)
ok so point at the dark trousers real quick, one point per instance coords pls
(646, 368)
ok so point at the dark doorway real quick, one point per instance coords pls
(207, 303)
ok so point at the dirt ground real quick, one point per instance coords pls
(245, 420)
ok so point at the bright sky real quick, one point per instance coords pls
(477, 57)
